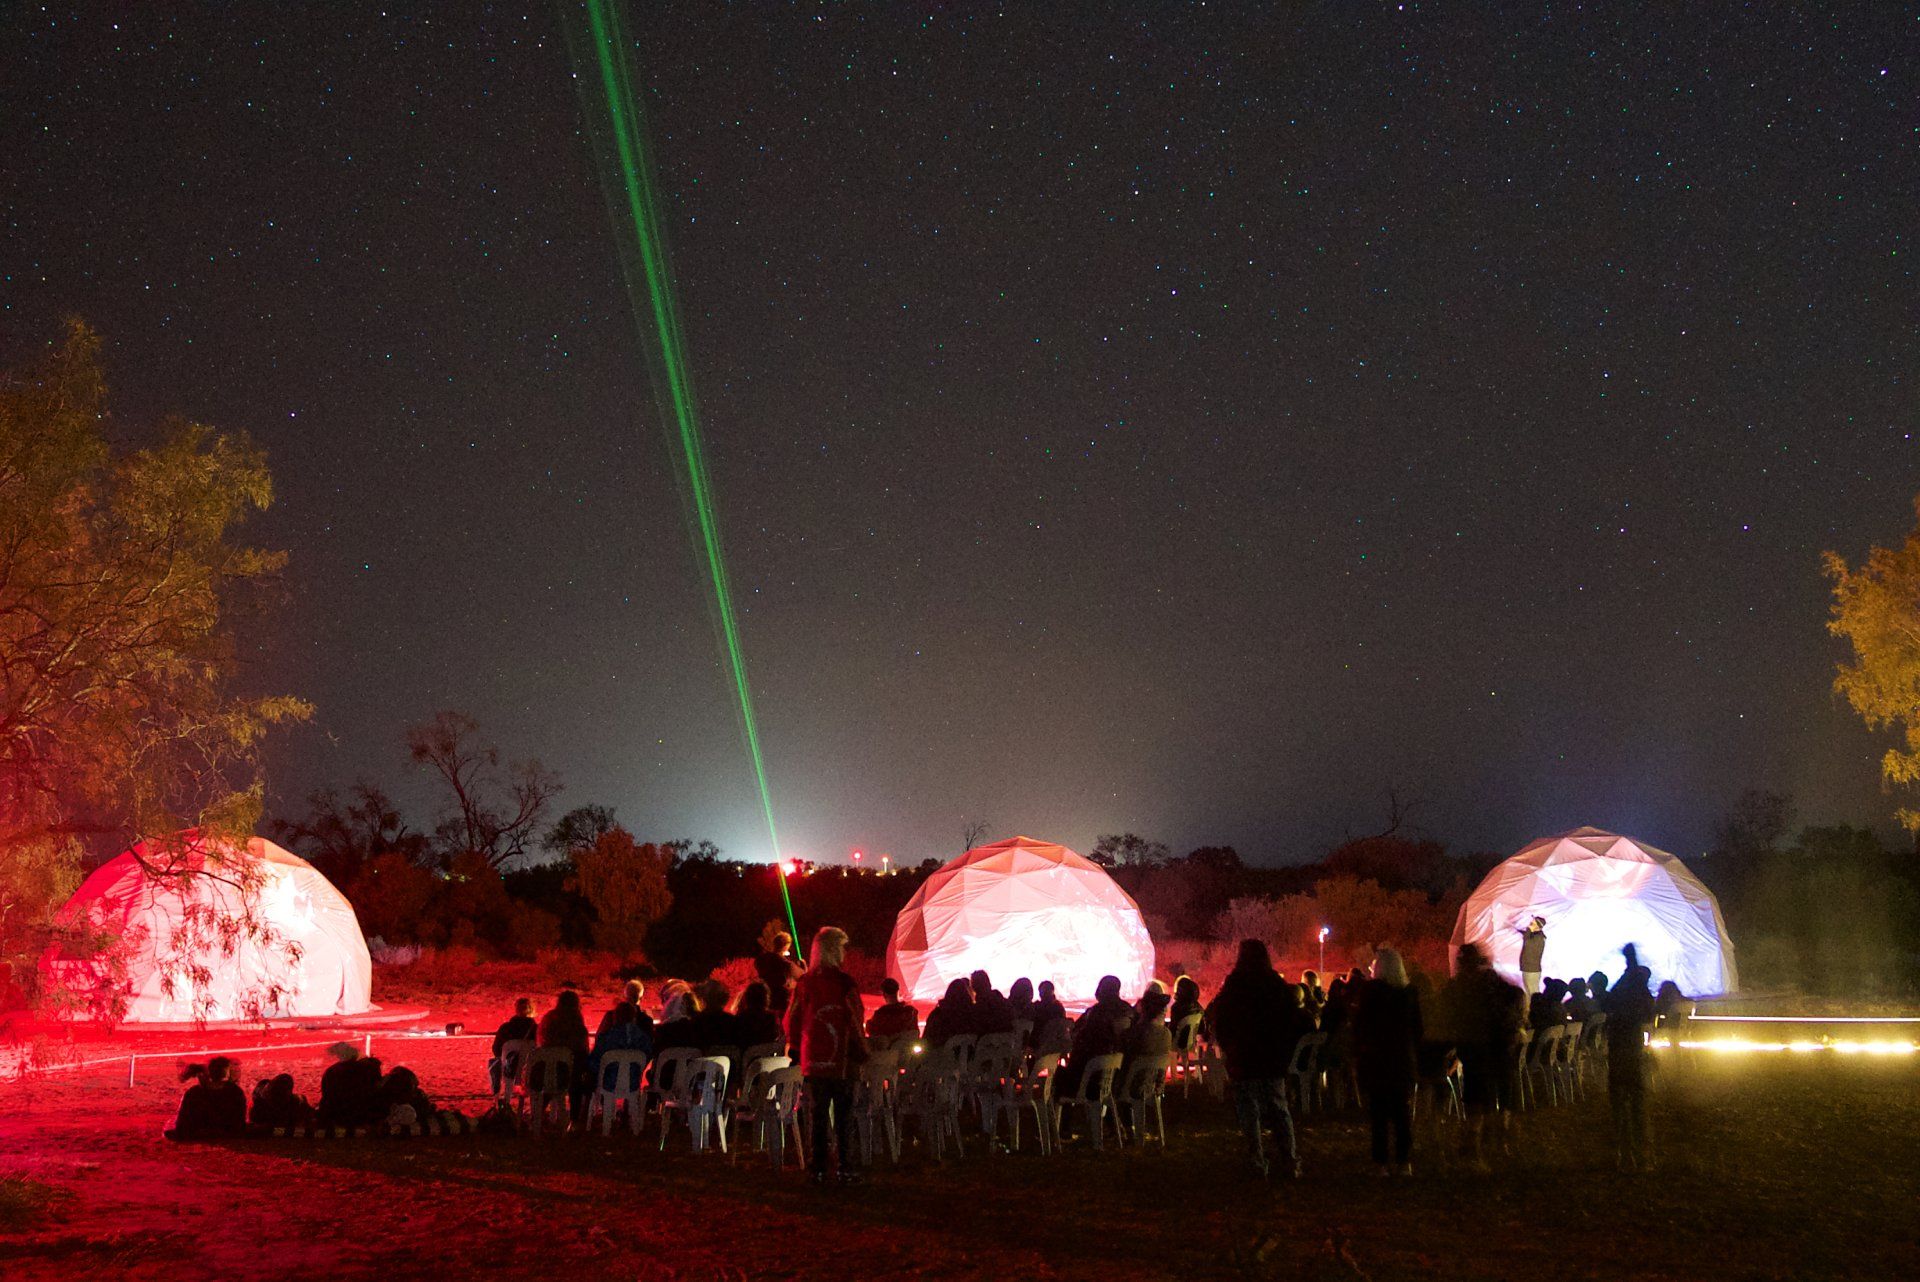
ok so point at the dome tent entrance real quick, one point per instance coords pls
(1020, 908)
(317, 964)
(1598, 891)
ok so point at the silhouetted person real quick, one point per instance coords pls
(1485, 1014)
(565, 1026)
(1387, 1032)
(823, 1031)
(893, 1018)
(399, 1101)
(1630, 1011)
(1255, 1019)
(757, 1022)
(521, 1028)
(628, 1003)
(627, 1032)
(1052, 1034)
(1020, 999)
(1100, 1030)
(1186, 999)
(1580, 1005)
(1671, 1012)
(992, 1012)
(952, 1015)
(214, 1107)
(1149, 1036)
(348, 1088)
(777, 971)
(277, 1106)
(1547, 1007)
(1533, 951)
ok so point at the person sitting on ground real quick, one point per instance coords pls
(629, 1001)
(775, 967)
(277, 1106)
(521, 1028)
(1387, 1033)
(1100, 1030)
(992, 1012)
(894, 1018)
(1020, 998)
(952, 1016)
(348, 1088)
(214, 1107)
(401, 1101)
(1255, 1020)
(754, 1017)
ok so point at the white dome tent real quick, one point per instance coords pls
(1598, 891)
(331, 974)
(1021, 908)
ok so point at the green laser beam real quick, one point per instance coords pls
(651, 292)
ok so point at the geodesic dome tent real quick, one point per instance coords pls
(1020, 908)
(168, 927)
(1599, 891)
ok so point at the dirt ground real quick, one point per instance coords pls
(1769, 1166)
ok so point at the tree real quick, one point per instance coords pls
(579, 827)
(1876, 609)
(339, 834)
(1756, 825)
(495, 809)
(120, 582)
(1125, 848)
(970, 836)
(626, 883)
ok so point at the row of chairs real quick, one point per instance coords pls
(1557, 1061)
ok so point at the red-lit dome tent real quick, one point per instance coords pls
(1020, 908)
(1599, 891)
(163, 922)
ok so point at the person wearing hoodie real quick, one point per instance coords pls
(1100, 1030)
(1256, 1019)
(1387, 1032)
(823, 1035)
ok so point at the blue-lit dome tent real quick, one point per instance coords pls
(1598, 891)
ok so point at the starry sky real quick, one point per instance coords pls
(1181, 419)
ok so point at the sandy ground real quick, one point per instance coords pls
(1769, 1167)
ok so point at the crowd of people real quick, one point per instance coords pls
(1388, 1029)
(355, 1092)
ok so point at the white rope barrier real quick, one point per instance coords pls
(132, 1059)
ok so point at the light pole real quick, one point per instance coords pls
(1324, 932)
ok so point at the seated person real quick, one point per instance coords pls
(894, 1018)
(214, 1107)
(952, 1015)
(276, 1106)
(710, 1026)
(1020, 998)
(628, 1033)
(677, 1001)
(349, 1089)
(1150, 1034)
(1186, 999)
(1102, 1030)
(992, 1012)
(630, 1001)
(521, 1028)
(1548, 1006)
(754, 1018)
(1579, 1005)
(1051, 1032)
(401, 1101)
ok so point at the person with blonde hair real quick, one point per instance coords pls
(824, 1021)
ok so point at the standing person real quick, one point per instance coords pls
(1387, 1032)
(823, 1034)
(1256, 1019)
(1533, 951)
(1485, 1014)
(776, 970)
(1630, 1010)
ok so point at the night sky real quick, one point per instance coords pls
(1186, 420)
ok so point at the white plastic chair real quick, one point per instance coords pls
(1035, 1089)
(1186, 1049)
(548, 1079)
(513, 1070)
(1142, 1087)
(700, 1095)
(770, 1103)
(990, 1082)
(873, 1104)
(669, 1066)
(1094, 1096)
(1566, 1063)
(621, 1080)
(930, 1092)
(1536, 1066)
(1304, 1070)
